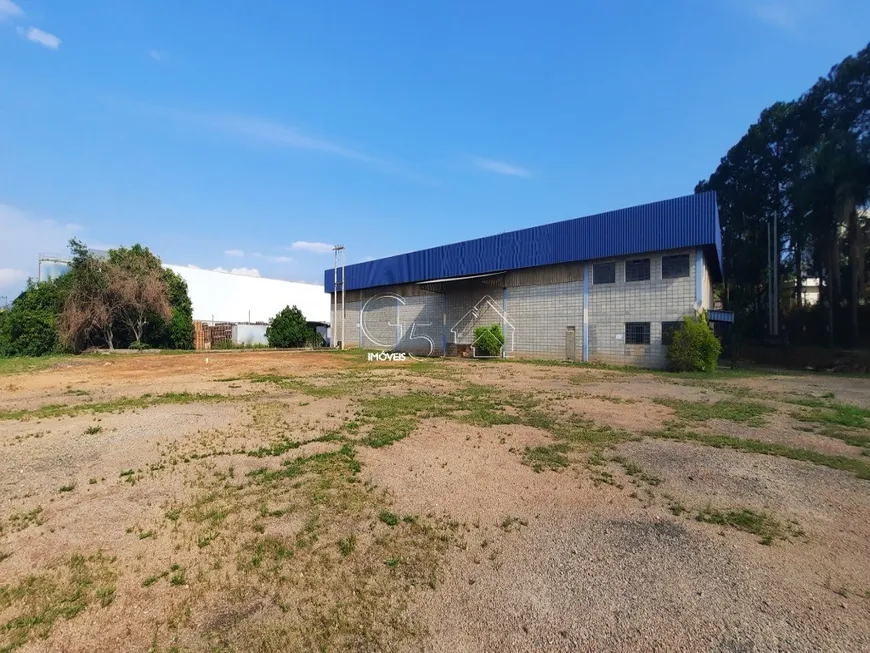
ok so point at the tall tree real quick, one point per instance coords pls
(140, 287)
(93, 303)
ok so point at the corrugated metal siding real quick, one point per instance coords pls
(690, 221)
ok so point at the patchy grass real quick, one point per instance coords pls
(747, 412)
(33, 604)
(93, 429)
(823, 411)
(758, 523)
(389, 518)
(550, 456)
(116, 405)
(347, 545)
(67, 488)
(636, 471)
(385, 432)
(22, 520)
(23, 364)
(859, 467)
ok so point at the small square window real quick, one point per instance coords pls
(637, 333)
(668, 330)
(674, 267)
(603, 273)
(637, 270)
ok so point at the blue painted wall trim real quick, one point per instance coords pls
(699, 286)
(683, 222)
(444, 324)
(586, 271)
(503, 325)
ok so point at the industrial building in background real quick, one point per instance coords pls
(229, 307)
(607, 288)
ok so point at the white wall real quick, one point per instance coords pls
(227, 297)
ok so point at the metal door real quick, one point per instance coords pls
(570, 343)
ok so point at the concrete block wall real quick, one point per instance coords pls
(536, 308)
(655, 301)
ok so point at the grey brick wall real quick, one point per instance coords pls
(655, 301)
(536, 308)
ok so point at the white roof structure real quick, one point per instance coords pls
(226, 297)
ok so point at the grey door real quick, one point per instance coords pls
(570, 343)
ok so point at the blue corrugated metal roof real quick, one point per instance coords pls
(691, 221)
(720, 316)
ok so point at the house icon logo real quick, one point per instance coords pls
(484, 313)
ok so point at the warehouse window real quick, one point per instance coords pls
(603, 273)
(668, 330)
(637, 333)
(674, 267)
(637, 270)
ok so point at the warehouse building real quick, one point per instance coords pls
(606, 288)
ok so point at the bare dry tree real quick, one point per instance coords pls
(92, 305)
(141, 291)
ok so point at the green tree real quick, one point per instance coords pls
(92, 306)
(140, 287)
(30, 326)
(289, 329)
(805, 164)
(177, 332)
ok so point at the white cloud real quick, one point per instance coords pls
(247, 272)
(317, 248)
(500, 167)
(9, 9)
(789, 15)
(258, 131)
(234, 252)
(281, 259)
(157, 55)
(38, 36)
(10, 277)
(23, 237)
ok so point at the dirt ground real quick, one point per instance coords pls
(278, 501)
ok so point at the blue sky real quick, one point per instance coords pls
(243, 135)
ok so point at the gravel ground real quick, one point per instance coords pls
(584, 558)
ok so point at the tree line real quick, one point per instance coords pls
(125, 299)
(806, 164)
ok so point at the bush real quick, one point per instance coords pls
(694, 348)
(488, 341)
(288, 329)
(29, 326)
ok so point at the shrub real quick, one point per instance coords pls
(488, 341)
(288, 329)
(29, 326)
(694, 347)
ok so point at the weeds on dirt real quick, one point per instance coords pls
(22, 520)
(35, 603)
(551, 456)
(860, 468)
(762, 524)
(115, 405)
(747, 412)
(93, 429)
(347, 592)
(832, 413)
(636, 471)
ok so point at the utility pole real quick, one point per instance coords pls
(775, 275)
(338, 256)
(769, 286)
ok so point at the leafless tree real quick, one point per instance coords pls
(141, 291)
